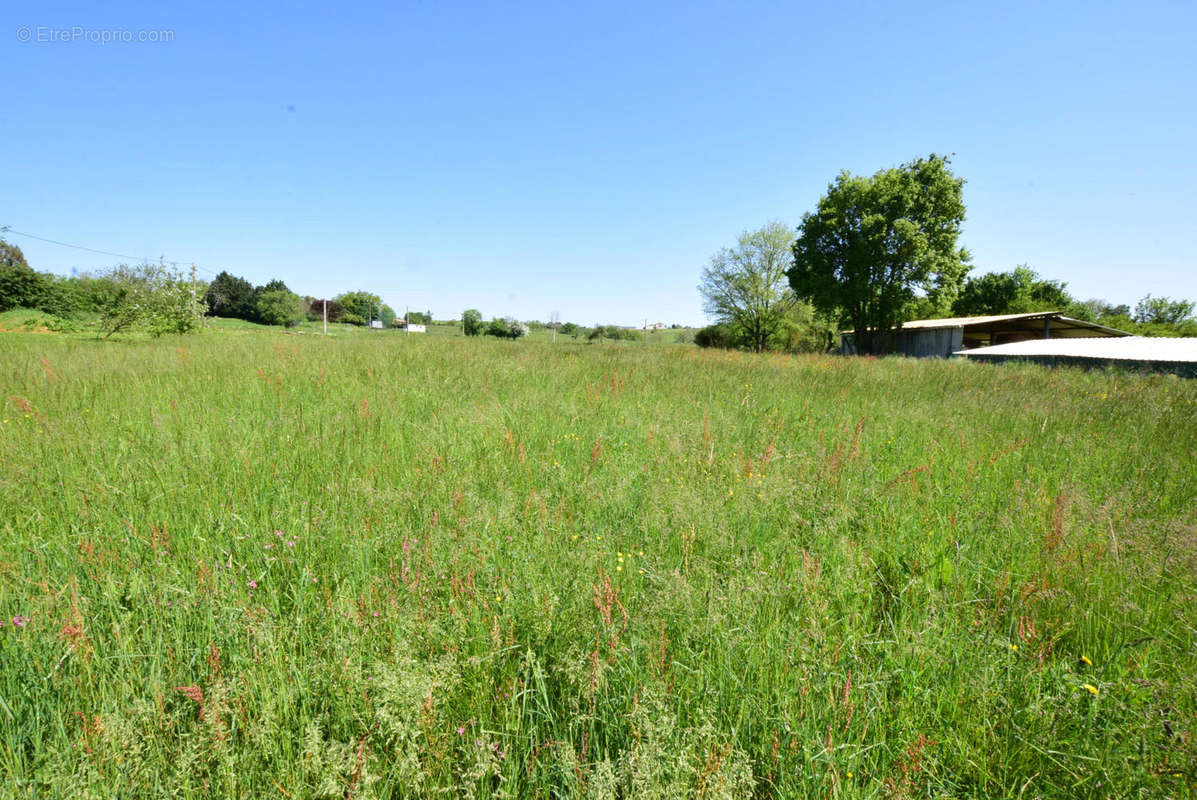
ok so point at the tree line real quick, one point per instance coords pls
(877, 251)
(156, 299)
(146, 297)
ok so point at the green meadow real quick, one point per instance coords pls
(248, 564)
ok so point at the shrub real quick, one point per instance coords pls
(718, 335)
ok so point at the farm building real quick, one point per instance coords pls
(1140, 353)
(942, 338)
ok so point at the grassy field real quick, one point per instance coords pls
(250, 564)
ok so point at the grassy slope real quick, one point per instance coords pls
(382, 565)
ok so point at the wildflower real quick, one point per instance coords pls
(461, 730)
(20, 621)
(1086, 660)
(850, 775)
(253, 584)
(619, 569)
(1090, 688)
(1014, 647)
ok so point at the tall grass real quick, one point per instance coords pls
(260, 565)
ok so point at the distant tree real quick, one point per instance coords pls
(20, 285)
(1162, 311)
(569, 329)
(420, 317)
(1016, 292)
(359, 307)
(746, 289)
(279, 307)
(875, 243)
(11, 255)
(387, 315)
(1096, 309)
(471, 322)
(506, 328)
(316, 307)
(230, 296)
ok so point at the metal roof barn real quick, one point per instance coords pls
(1150, 354)
(941, 338)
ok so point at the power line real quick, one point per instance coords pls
(7, 229)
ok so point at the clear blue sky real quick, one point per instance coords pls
(589, 158)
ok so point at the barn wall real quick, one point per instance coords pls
(919, 343)
(933, 342)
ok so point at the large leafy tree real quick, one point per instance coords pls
(1163, 311)
(471, 322)
(20, 286)
(1015, 292)
(230, 296)
(876, 243)
(359, 307)
(744, 288)
(278, 307)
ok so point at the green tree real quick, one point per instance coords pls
(506, 328)
(230, 296)
(20, 285)
(1163, 311)
(744, 288)
(471, 322)
(279, 307)
(876, 243)
(1016, 292)
(358, 307)
(387, 315)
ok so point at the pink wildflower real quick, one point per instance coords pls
(461, 730)
(253, 584)
(20, 621)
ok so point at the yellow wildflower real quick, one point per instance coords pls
(1086, 660)
(1090, 688)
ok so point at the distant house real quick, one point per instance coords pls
(942, 338)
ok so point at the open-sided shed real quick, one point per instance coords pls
(941, 338)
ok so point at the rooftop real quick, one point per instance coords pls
(1130, 348)
(1057, 317)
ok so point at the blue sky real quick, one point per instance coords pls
(588, 158)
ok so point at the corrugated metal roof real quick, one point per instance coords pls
(956, 322)
(1131, 348)
(965, 322)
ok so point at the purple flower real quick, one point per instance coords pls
(461, 730)
(253, 584)
(20, 621)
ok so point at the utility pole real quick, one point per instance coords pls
(555, 318)
(407, 319)
(325, 303)
(194, 301)
(646, 333)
